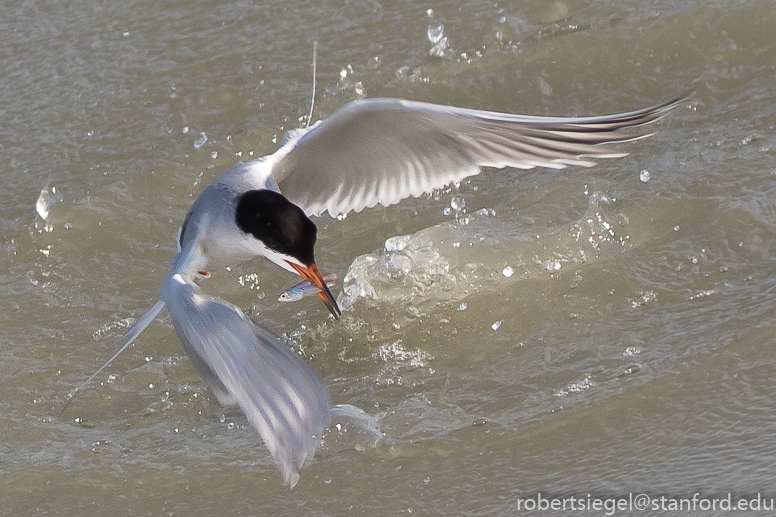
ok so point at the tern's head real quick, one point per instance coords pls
(286, 230)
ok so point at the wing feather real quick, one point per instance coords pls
(245, 364)
(384, 150)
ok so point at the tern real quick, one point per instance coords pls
(369, 152)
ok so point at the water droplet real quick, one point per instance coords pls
(676, 228)
(508, 271)
(447, 211)
(644, 175)
(148, 358)
(553, 265)
(151, 385)
(222, 419)
(463, 306)
(435, 31)
(438, 50)
(185, 129)
(230, 426)
(202, 140)
(48, 197)
(397, 243)
(496, 325)
(457, 203)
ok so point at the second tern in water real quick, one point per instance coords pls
(369, 152)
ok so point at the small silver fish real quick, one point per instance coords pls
(305, 288)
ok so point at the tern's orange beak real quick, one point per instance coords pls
(313, 275)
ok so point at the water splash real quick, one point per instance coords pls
(435, 31)
(575, 387)
(436, 36)
(398, 356)
(49, 196)
(351, 428)
(201, 140)
(397, 243)
(349, 83)
(644, 298)
(448, 261)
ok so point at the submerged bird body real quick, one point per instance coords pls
(368, 152)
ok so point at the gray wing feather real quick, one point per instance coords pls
(384, 150)
(274, 387)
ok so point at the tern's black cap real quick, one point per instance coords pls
(278, 223)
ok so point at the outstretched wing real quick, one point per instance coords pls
(274, 387)
(384, 150)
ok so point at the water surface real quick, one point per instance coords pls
(568, 332)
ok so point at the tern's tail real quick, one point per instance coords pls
(128, 338)
(273, 386)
